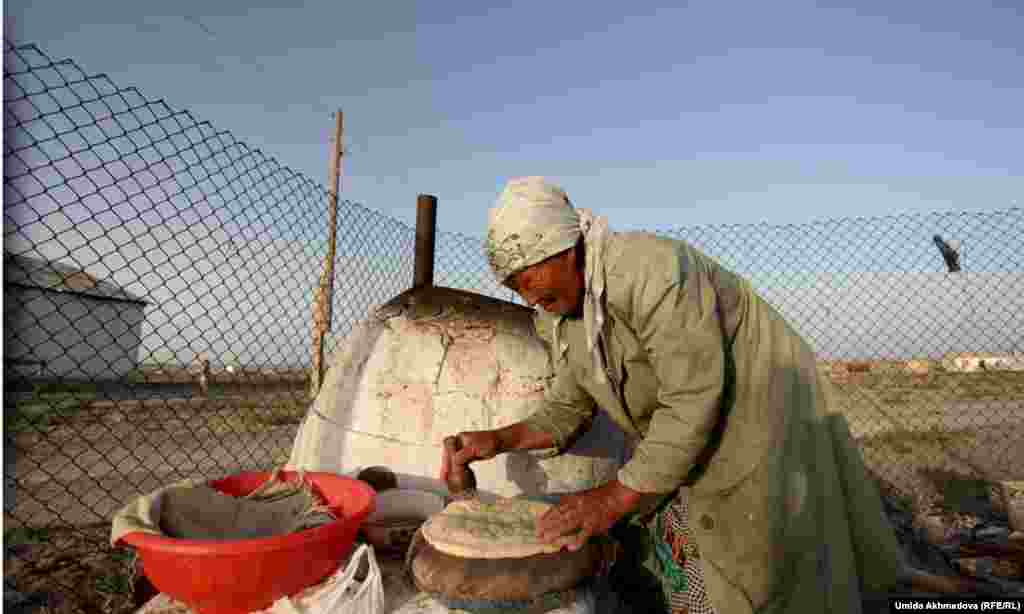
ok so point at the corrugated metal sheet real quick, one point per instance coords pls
(47, 275)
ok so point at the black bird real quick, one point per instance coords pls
(950, 255)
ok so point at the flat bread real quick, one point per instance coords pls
(504, 529)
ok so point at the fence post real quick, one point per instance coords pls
(426, 230)
(323, 304)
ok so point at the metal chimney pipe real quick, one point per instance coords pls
(426, 231)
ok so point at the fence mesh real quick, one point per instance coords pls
(160, 277)
(928, 364)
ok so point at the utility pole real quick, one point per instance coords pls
(323, 304)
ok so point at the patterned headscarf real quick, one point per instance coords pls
(534, 220)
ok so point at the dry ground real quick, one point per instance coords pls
(914, 428)
(74, 456)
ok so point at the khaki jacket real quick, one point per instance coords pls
(723, 396)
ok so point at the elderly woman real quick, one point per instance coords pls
(754, 496)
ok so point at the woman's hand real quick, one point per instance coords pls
(472, 445)
(588, 513)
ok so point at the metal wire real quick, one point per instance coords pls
(159, 283)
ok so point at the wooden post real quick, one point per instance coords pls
(323, 304)
(426, 230)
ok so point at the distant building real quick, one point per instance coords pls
(972, 363)
(859, 366)
(835, 370)
(918, 366)
(61, 322)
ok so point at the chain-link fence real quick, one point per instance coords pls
(919, 322)
(160, 279)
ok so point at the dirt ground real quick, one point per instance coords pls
(63, 571)
(74, 459)
(912, 428)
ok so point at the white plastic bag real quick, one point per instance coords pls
(586, 603)
(347, 596)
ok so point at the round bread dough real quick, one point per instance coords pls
(500, 530)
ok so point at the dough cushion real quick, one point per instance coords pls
(504, 529)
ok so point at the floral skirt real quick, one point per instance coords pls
(679, 559)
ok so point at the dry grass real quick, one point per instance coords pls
(902, 423)
(913, 427)
(982, 385)
(898, 444)
(67, 571)
(247, 409)
(74, 569)
(148, 374)
(254, 416)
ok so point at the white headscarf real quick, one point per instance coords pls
(534, 220)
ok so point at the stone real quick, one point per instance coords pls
(1013, 500)
(992, 533)
(936, 531)
(983, 567)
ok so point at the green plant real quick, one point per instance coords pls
(39, 412)
(113, 583)
(26, 536)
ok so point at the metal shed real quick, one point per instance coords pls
(61, 322)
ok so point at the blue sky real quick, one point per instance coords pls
(707, 113)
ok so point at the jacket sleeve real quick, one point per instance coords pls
(673, 309)
(567, 407)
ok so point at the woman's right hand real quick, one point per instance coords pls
(468, 446)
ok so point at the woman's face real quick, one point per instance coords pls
(555, 284)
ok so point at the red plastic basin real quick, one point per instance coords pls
(216, 577)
